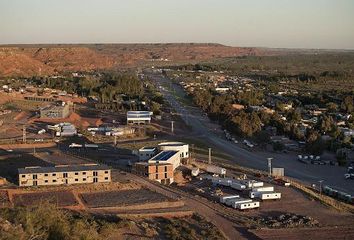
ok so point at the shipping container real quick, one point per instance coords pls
(249, 205)
(265, 195)
(224, 198)
(252, 183)
(232, 202)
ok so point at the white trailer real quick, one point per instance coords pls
(216, 170)
(232, 202)
(265, 195)
(263, 189)
(238, 186)
(248, 205)
(224, 198)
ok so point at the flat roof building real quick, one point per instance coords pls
(161, 172)
(172, 157)
(63, 174)
(146, 153)
(139, 117)
(55, 111)
(180, 147)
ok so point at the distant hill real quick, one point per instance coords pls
(30, 60)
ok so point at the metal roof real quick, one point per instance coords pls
(69, 168)
(164, 155)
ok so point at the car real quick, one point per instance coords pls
(9, 150)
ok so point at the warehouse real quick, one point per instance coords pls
(161, 172)
(64, 174)
(139, 117)
(180, 147)
(171, 157)
(55, 112)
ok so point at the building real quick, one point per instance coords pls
(146, 153)
(139, 117)
(161, 172)
(171, 157)
(64, 174)
(180, 147)
(55, 111)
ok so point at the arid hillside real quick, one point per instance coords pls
(29, 60)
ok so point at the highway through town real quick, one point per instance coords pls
(211, 134)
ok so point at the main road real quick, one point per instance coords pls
(205, 130)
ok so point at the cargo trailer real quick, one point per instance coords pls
(265, 195)
(249, 205)
(232, 202)
(252, 183)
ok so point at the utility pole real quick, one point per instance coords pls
(209, 156)
(115, 140)
(270, 166)
(320, 186)
(24, 134)
(172, 127)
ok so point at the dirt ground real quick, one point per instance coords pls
(59, 198)
(122, 198)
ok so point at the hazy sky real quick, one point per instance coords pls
(268, 23)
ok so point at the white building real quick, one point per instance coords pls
(171, 157)
(139, 117)
(180, 147)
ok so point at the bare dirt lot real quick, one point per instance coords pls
(121, 198)
(59, 198)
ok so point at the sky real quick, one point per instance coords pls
(255, 23)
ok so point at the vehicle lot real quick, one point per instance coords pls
(121, 198)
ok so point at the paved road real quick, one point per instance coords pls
(205, 130)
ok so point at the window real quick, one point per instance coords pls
(76, 173)
(65, 175)
(76, 180)
(95, 174)
(106, 172)
(54, 174)
(34, 183)
(95, 180)
(46, 174)
(83, 173)
(165, 175)
(106, 178)
(84, 179)
(157, 176)
(34, 176)
(54, 180)
(23, 176)
(45, 181)
(165, 168)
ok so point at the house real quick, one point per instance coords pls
(63, 174)
(161, 172)
(55, 112)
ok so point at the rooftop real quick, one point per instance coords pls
(164, 156)
(172, 144)
(63, 168)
